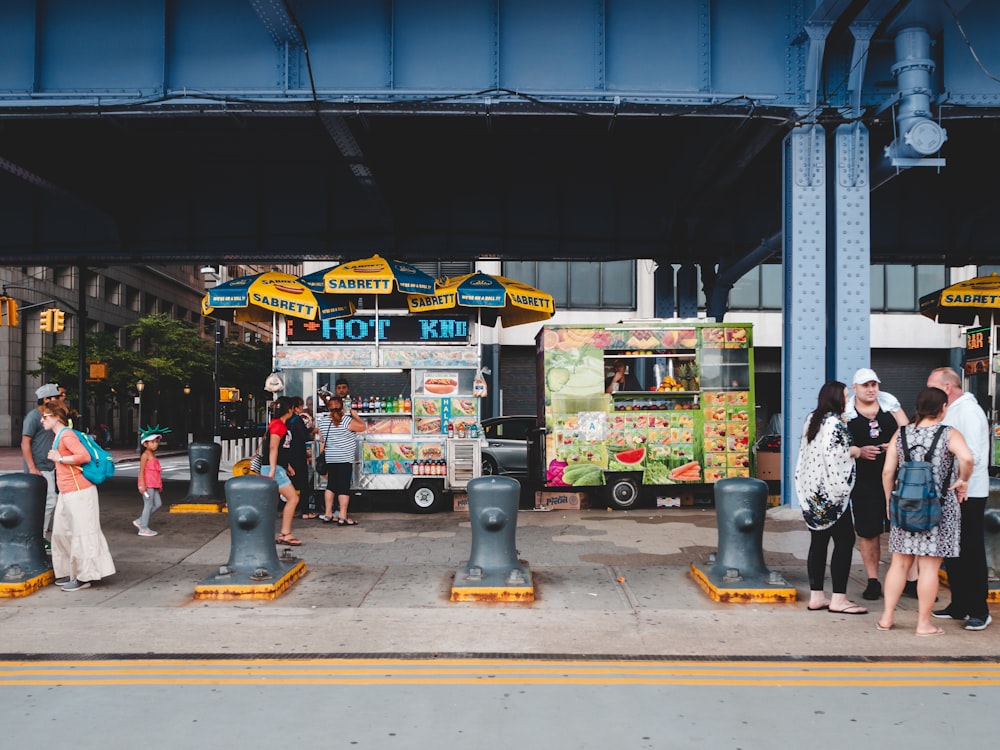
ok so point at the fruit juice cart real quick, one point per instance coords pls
(686, 422)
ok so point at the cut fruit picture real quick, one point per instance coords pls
(631, 457)
(556, 378)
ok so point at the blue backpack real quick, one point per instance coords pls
(100, 466)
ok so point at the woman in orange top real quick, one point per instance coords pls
(80, 552)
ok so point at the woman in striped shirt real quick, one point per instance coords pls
(340, 446)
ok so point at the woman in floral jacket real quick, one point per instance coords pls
(824, 478)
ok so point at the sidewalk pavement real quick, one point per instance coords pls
(613, 584)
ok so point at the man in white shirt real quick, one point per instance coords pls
(967, 576)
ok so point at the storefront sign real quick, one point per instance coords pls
(977, 350)
(360, 329)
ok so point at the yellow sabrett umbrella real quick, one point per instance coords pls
(965, 301)
(513, 302)
(258, 296)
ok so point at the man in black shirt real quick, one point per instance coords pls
(871, 430)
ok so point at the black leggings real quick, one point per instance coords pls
(842, 534)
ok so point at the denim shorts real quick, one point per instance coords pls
(280, 475)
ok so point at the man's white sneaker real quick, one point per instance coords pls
(978, 623)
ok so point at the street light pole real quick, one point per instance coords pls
(139, 386)
(187, 413)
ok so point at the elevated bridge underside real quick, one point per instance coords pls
(580, 129)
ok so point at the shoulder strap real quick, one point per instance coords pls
(906, 447)
(934, 442)
(55, 443)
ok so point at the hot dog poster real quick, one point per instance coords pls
(440, 383)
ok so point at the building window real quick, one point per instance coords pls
(759, 288)
(442, 268)
(898, 288)
(580, 285)
(113, 292)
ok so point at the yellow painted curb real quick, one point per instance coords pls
(773, 595)
(24, 588)
(271, 590)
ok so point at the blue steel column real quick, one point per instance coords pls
(803, 354)
(850, 332)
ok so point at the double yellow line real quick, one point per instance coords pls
(360, 671)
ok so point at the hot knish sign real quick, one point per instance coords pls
(442, 329)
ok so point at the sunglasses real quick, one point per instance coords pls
(873, 429)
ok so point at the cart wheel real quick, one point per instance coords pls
(426, 498)
(623, 492)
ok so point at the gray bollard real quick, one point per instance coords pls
(740, 504)
(493, 572)
(737, 571)
(204, 460)
(254, 569)
(24, 566)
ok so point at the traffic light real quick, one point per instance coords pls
(8, 308)
(229, 395)
(58, 320)
(45, 320)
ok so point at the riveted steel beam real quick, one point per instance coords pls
(803, 354)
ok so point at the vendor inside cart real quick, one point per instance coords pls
(621, 378)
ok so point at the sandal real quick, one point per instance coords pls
(347, 522)
(288, 539)
(326, 519)
(309, 516)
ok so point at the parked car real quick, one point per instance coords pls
(505, 444)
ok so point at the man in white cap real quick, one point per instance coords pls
(36, 442)
(873, 425)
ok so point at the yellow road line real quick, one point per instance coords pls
(485, 672)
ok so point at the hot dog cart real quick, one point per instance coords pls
(413, 386)
(682, 419)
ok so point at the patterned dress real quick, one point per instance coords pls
(943, 540)
(825, 473)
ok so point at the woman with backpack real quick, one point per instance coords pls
(824, 478)
(926, 547)
(80, 552)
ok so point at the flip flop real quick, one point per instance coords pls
(347, 522)
(309, 516)
(850, 609)
(288, 539)
(939, 631)
(819, 608)
(882, 628)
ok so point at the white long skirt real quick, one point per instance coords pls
(79, 549)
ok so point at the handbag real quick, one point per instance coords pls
(321, 466)
(256, 460)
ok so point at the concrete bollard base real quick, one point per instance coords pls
(12, 590)
(198, 508)
(241, 585)
(759, 588)
(477, 585)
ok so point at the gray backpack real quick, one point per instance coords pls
(915, 503)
